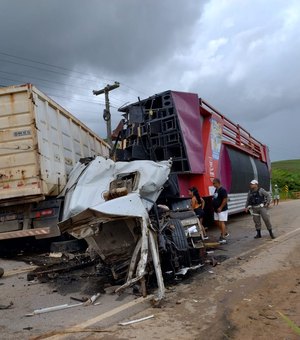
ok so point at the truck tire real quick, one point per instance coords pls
(1, 272)
(181, 243)
(178, 235)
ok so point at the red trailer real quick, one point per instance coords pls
(202, 143)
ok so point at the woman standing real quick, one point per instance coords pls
(197, 204)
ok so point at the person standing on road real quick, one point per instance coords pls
(258, 200)
(220, 206)
(276, 196)
(197, 204)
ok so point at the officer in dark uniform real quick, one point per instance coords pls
(257, 202)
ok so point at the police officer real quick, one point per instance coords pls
(257, 201)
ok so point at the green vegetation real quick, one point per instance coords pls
(290, 323)
(286, 173)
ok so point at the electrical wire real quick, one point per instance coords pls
(113, 99)
(60, 96)
(51, 81)
(64, 68)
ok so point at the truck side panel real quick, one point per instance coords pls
(39, 143)
(62, 141)
(19, 161)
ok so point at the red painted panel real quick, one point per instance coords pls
(187, 107)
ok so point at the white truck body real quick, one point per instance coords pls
(40, 142)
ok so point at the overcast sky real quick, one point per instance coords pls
(242, 56)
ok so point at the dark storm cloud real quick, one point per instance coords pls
(116, 36)
(241, 56)
(106, 41)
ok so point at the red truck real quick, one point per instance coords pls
(202, 143)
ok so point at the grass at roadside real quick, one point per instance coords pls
(286, 174)
(290, 323)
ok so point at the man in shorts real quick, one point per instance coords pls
(220, 206)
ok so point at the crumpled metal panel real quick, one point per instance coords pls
(88, 215)
(88, 183)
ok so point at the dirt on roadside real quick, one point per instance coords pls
(259, 316)
(241, 299)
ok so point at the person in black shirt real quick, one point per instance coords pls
(219, 202)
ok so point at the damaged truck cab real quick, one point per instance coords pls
(112, 205)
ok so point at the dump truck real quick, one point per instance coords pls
(40, 142)
(202, 143)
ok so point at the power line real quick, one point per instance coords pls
(80, 100)
(57, 82)
(62, 68)
(53, 81)
(45, 70)
(46, 64)
(46, 80)
(60, 96)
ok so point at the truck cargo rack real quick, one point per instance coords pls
(234, 135)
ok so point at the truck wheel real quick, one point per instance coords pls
(181, 243)
(1, 272)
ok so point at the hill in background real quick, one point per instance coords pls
(286, 173)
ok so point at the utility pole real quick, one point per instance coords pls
(106, 111)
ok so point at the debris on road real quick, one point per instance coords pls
(90, 301)
(73, 330)
(137, 320)
(56, 255)
(83, 299)
(6, 306)
(53, 309)
(66, 264)
(19, 271)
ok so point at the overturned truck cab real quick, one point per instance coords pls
(112, 205)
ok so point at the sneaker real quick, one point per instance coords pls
(226, 235)
(222, 240)
(205, 237)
